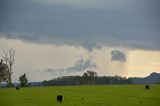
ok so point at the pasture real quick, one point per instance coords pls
(107, 95)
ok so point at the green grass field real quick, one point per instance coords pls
(109, 95)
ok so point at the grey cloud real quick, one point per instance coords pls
(132, 24)
(88, 3)
(117, 55)
(80, 65)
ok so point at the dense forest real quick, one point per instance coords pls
(88, 78)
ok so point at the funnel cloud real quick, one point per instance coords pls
(118, 56)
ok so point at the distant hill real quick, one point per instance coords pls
(151, 79)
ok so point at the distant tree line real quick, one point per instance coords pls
(88, 78)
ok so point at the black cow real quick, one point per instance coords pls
(147, 87)
(17, 88)
(60, 98)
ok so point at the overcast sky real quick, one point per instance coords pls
(64, 37)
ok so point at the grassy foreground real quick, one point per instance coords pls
(109, 95)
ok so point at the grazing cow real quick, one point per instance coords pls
(60, 98)
(17, 88)
(147, 87)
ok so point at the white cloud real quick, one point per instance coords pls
(80, 66)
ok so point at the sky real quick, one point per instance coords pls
(54, 38)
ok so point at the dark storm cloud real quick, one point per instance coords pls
(79, 66)
(117, 55)
(129, 23)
